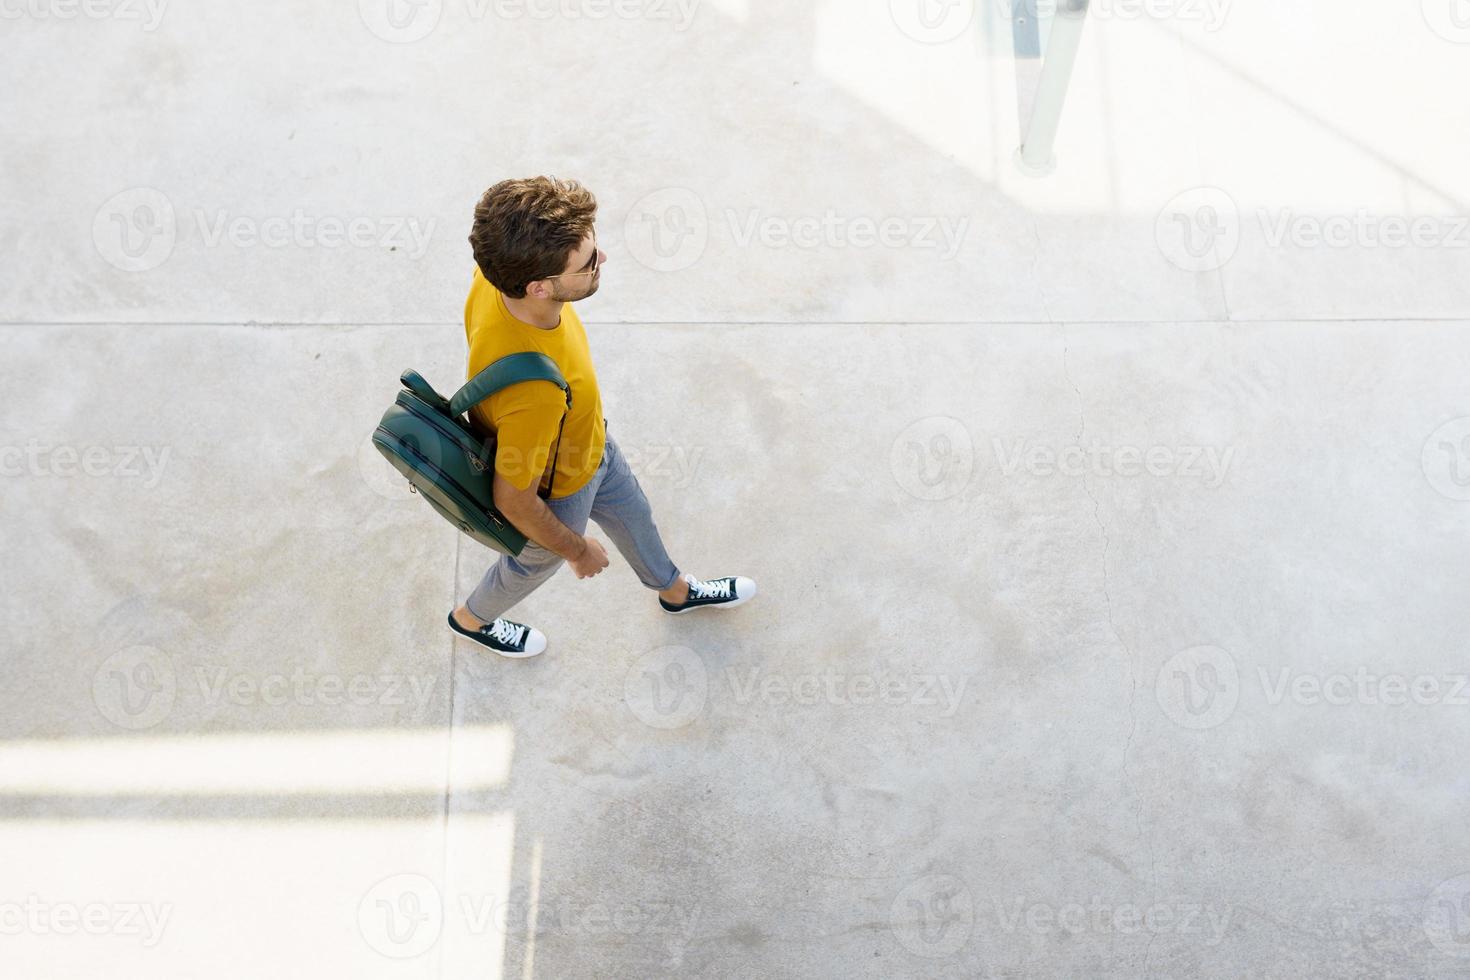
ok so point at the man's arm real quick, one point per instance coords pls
(527, 424)
(530, 515)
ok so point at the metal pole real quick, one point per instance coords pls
(1035, 156)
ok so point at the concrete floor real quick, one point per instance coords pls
(1110, 527)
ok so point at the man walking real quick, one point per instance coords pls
(536, 252)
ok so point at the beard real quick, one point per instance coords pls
(571, 295)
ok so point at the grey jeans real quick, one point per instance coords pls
(616, 502)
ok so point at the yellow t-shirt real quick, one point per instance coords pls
(525, 416)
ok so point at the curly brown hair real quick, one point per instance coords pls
(526, 229)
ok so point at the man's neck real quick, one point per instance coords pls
(542, 313)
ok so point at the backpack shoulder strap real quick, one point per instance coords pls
(508, 370)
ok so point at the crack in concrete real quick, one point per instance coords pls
(444, 829)
(1117, 634)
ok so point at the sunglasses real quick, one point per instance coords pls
(589, 270)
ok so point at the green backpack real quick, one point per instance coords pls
(445, 457)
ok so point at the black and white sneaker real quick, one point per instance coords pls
(504, 637)
(724, 593)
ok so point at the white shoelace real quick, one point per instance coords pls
(507, 632)
(709, 590)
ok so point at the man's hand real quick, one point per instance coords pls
(534, 519)
(591, 560)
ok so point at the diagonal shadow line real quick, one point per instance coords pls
(1309, 114)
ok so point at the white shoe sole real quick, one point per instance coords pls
(535, 643)
(716, 605)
